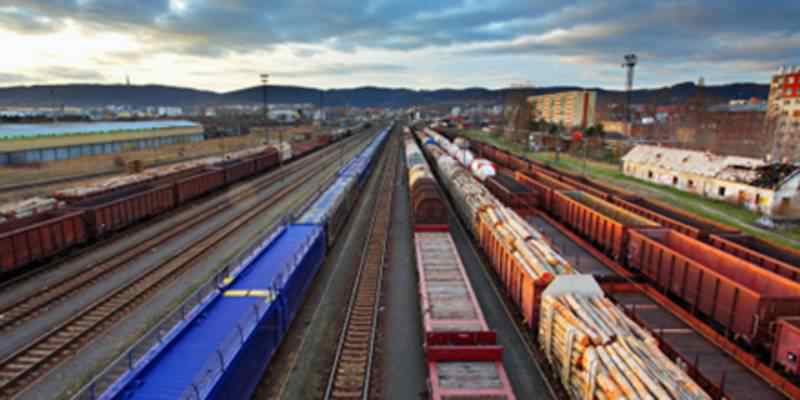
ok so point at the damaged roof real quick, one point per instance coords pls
(751, 171)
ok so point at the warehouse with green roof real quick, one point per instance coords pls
(22, 144)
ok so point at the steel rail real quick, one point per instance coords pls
(33, 362)
(33, 305)
(350, 374)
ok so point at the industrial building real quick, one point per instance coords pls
(572, 109)
(748, 182)
(34, 143)
(783, 114)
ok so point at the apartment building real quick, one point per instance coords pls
(783, 114)
(573, 109)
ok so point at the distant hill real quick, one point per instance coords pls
(94, 95)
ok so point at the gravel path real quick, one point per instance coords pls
(403, 359)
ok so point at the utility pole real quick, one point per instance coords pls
(629, 64)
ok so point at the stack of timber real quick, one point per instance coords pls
(27, 207)
(599, 353)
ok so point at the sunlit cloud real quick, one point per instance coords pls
(224, 44)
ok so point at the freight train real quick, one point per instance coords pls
(93, 212)
(741, 286)
(596, 350)
(222, 347)
(457, 341)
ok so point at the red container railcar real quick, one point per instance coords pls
(741, 298)
(604, 224)
(107, 214)
(266, 160)
(238, 170)
(778, 259)
(198, 185)
(39, 237)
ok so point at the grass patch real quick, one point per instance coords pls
(715, 210)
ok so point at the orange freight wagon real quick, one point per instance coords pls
(778, 259)
(740, 297)
(602, 223)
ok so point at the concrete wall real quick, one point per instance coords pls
(84, 150)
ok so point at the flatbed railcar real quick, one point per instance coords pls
(463, 357)
(461, 351)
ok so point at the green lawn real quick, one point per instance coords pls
(715, 210)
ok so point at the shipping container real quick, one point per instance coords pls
(106, 214)
(600, 222)
(25, 241)
(740, 298)
(199, 185)
(778, 259)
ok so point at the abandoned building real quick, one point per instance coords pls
(770, 189)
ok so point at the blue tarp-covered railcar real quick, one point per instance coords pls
(223, 351)
(332, 207)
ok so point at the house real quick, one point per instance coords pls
(769, 189)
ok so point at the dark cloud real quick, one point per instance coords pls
(733, 32)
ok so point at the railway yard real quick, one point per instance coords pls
(387, 260)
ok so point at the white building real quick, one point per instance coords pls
(737, 180)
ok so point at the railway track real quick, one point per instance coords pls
(34, 361)
(351, 370)
(29, 307)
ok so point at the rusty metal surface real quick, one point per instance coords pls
(350, 373)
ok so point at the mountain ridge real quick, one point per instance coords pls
(85, 95)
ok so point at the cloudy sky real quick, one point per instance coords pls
(224, 45)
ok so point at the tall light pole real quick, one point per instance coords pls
(629, 64)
